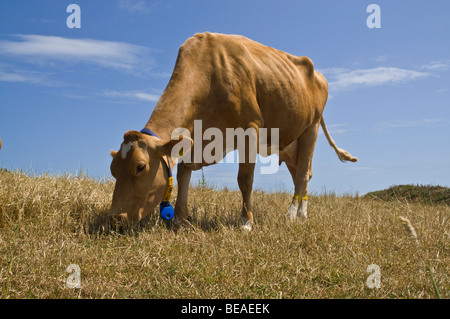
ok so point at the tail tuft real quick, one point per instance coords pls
(343, 155)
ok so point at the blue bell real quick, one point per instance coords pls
(166, 210)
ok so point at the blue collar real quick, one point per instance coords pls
(165, 208)
(149, 132)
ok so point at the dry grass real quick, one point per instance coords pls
(48, 223)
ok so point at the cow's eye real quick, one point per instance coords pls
(140, 168)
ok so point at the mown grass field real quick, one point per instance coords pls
(48, 223)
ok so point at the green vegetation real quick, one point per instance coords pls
(414, 193)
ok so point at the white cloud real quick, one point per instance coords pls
(382, 58)
(340, 78)
(364, 170)
(335, 129)
(110, 54)
(9, 73)
(6, 76)
(136, 95)
(136, 6)
(410, 123)
(435, 66)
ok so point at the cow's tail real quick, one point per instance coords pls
(343, 155)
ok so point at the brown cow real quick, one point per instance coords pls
(226, 81)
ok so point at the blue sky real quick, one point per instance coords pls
(68, 95)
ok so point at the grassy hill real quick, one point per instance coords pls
(48, 223)
(414, 193)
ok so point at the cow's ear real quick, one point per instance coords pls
(175, 148)
(113, 153)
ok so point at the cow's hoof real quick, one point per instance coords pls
(303, 215)
(302, 210)
(180, 223)
(292, 213)
(246, 225)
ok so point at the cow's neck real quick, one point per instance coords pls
(172, 111)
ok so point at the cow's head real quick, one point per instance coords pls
(141, 174)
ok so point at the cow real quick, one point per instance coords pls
(226, 81)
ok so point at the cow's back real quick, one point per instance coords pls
(253, 83)
(232, 81)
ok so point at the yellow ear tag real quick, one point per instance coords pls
(169, 190)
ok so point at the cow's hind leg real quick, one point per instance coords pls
(292, 210)
(245, 181)
(303, 172)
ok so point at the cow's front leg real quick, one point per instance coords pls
(245, 181)
(183, 180)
